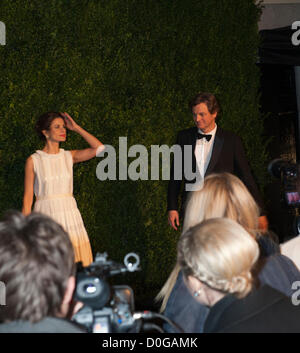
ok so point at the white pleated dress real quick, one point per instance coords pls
(53, 188)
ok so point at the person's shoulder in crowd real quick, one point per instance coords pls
(291, 249)
(47, 325)
(268, 243)
(254, 313)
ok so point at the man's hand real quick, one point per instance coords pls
(74, 307)
(173, 218)
(263, 223)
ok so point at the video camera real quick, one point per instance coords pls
(289, 173)
(110, 309)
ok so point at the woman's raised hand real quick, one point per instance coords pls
(70, 123)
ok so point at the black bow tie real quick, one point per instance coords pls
(200, 136)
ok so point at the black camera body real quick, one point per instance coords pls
(107, 309)
(289, 173)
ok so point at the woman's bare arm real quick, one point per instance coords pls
(28, 187)
(87, 153)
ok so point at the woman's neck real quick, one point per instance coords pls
(212, 296)
(51, 147)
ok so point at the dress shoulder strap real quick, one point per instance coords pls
(68, 155)
(35, 158)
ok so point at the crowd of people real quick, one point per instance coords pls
(225, 197)
(230, 274)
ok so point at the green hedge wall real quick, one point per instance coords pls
(125, 68)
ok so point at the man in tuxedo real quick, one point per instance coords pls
(214, 150)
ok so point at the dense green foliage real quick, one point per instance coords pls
(125, 68)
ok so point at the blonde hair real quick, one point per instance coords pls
(220, 253)
(222, 195)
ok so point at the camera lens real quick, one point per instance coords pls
(90, 288)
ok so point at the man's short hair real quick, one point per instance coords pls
(36, 261)
(209, 99)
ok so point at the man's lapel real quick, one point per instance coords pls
(217, 147)
(193, 139)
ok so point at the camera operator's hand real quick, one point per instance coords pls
(75, 306)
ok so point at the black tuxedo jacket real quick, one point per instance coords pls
(228, 155)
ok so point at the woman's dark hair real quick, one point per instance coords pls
(36, 261)
(209, 99)
(44, 122)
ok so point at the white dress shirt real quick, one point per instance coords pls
(203, 152)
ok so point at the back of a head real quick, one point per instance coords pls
(36, 261)
(222, 195)
(220, 253)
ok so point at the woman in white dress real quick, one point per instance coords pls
(49, 175)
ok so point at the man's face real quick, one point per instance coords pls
(203, 119)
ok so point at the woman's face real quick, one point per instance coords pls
(57, 131)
